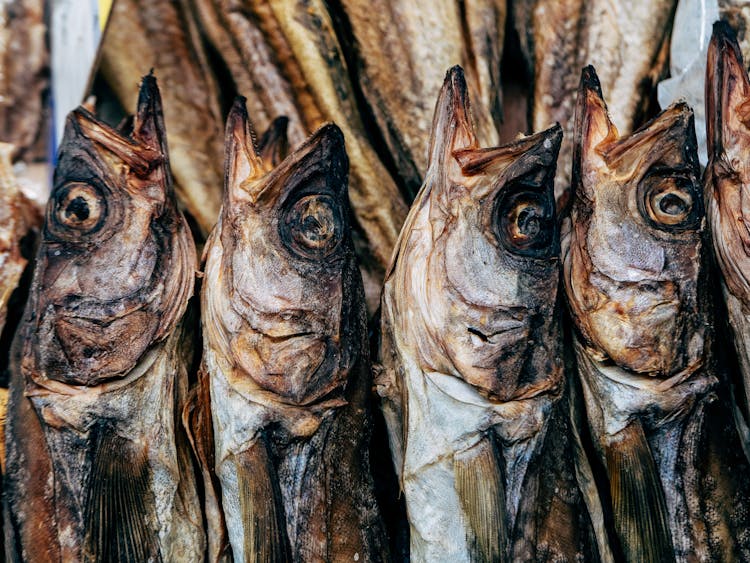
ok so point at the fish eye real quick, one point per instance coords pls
(314, 225)
(669, 203)
(525, 224)
(79, 207)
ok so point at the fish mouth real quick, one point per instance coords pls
(497, 334)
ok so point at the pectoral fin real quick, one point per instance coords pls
(262, 510)
(640, 510)
(119, 509)
(481, 490)
(196, 418)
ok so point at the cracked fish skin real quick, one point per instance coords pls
(163, 35)
(285, 350)
(100, 361)
(400, 53)
(470, 375)
(727, 183)
(286, 56)
(627, 42)
(636, 277)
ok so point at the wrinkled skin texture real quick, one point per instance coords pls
(100, 366)
(285, 350)
(471, 372)
(636, 281)
(727, 183)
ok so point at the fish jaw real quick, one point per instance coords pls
(633, 245)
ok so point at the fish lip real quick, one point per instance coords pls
(491, 334)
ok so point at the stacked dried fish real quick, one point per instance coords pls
(638, 287)
(472, 378)
(286, 358)
(162, 35)
(23, 75)
(402, 50)
(97, 468)
(627, 41)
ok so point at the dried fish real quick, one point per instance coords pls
(636, 277)
(471, 378)
(402, 50)
(727, 183)
(24, 75)
(162, 35)
(286, 54)
(628, 42)
(97, 468)
(285, 348)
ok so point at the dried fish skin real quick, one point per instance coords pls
(397, 38)
(285, 348)
(13, 226)
(92, 422)
(727, 182)
(24, 74)
(470, 374)
(286, 54)
(636, 277)
(628, 43)
(163, 35)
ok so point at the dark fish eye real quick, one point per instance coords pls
(314, 226)
(669, 203)
(525, 225)
(79, 207)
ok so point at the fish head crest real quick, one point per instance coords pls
(476, 272)
(633, 245)
(116, 260)
(289, 268)
(727, 176)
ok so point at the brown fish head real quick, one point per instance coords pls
(476, 269)
(727, 176)
(633, 263)
(290, 272)
(116, 261)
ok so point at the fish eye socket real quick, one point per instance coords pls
(525, 224)
(670, 203)
(314, 225)
(79, 207)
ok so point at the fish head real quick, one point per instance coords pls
(727, 176)
(291, 275)
(633, 247)
(116, 260)
(476, 269)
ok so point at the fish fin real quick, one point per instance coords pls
(242, 164)
(639, 506)
(196, 419)
(481, 489)
(274, 144)
(148, 121)
(261, 506)
(727, 90)
(119, 508)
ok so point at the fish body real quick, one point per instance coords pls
(97, 468)
(471, 376)
(285, 350)
(637, 284)
(727, 183)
